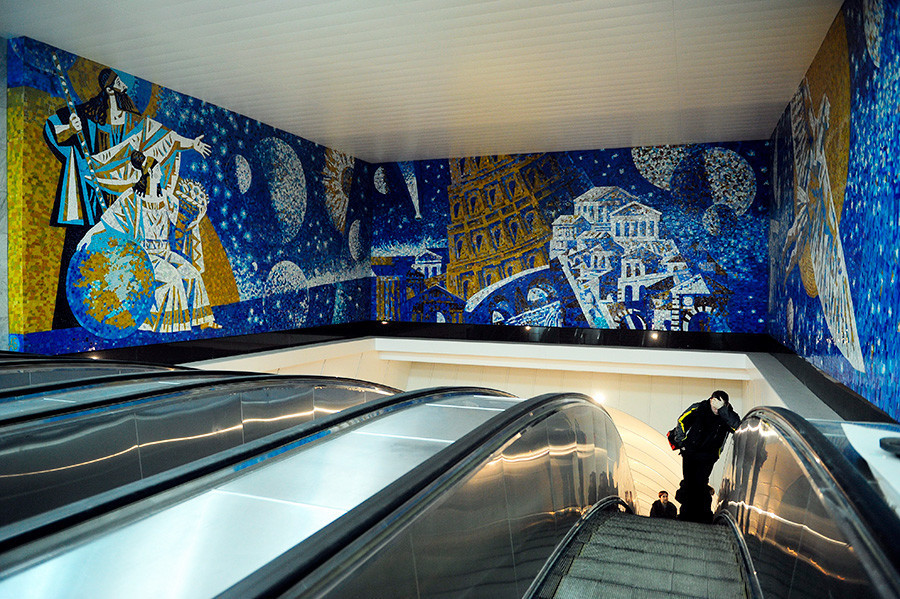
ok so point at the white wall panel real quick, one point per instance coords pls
(643, 406)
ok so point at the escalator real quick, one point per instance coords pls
(61, 444)
(249, 507)
(453, 493)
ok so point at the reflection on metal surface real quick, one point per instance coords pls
(207, 542)
(490, 533)
(787, 510)
(293, 416)
(550, 450)
(78, 465)
(48, 463)
(798, 525)
(192, 437)
(411, 438)
(124, 451)
(440, 405)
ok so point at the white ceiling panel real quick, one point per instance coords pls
(387, 80)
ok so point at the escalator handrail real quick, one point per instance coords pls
(726, 518)
(232, 378)
(38, 360)
(398, 503)
(30, 391)
(864, 514)
(187, 478)
(26, 392)
(606, 504)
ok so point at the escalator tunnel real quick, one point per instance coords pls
(472, 493)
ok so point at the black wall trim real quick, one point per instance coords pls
(848, 404)
(222, 347)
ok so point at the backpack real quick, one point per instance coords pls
(670, 436)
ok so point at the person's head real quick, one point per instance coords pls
(717, 400)
(148, 172)
(137, 160)
(113, 86)
(664, 497)
(111, 82)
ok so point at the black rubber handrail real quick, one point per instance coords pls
(233, 379)
(430, 478)
(866, 517)
(53, 529)
(122, 401)
(28, 391)
(603, 505)
(37, 360)
(725, 518)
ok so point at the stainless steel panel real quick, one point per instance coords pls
(14, 378)
(195, 549)
(337, 472)
(781, 514)
(373, 394)
(601, 482)
(822, 559)
(389, 573)
(274, 408)
(462, 543)
(431, 421)
(48, 465)
(44, 374)
(563, 464)
(526, 476)
(61, 398)
(797, 546)
(617, 463)
(179, 433)
(330, 399)
(582, 421)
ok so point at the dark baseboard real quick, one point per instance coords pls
(222, 347)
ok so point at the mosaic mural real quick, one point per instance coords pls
(146, 216)
(662, 238)
(835, 232)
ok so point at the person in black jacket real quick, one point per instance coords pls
(661, 508)
(700, 435)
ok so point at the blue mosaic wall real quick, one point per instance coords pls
(662, 238)
(187, 220)
(835, 234)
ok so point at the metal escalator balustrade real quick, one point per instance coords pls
(49, 461)
(197, 539)
(813, 525)
(478, 519)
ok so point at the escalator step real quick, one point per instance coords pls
(633, 556)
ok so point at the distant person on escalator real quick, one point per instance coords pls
(661, 508)
(700, 434)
